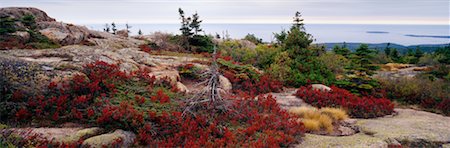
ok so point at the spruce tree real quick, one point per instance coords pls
(107, 28)
(195, 24)
(114, 29)
(387, 50)
(128, 27)
(298, 21)
(341, 50)
(29, 21)
(419, 53)
(185, 29)
(6, 25)
(362, 59)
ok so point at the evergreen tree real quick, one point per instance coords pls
(419, 53)
(107, 28)
(387, 50)
(395, 55)
(410, 52)
(128, 27)
(341, 50)
(362, 58)
(185, 29)
(7, 25)
(280, 37)
(29, 21)
(252, 38)
(140, 32)
(195, 24)
(114, 29)
(298, 21)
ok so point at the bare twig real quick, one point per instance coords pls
(209, 97)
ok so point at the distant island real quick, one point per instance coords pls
(428, 36)
(381, 46)
(377, 32)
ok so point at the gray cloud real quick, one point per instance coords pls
(244, 11)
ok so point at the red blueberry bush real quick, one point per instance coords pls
(246, 79)
(258, 123)
(112, 99)
(359, 107)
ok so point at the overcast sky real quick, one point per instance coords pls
(244, 11)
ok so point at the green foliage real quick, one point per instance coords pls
(113, 28)
(361, 60)
(266, 55)
(298, 40)
(335, 62)
(430, 59)
(195, 24)
(252, 38)
(298, 62)
(200, 43)
(29, 21)
(358, 73)
(444, 53)
(39, 41)
(185, 29)
(278, 68)
(418, 90)
(341, 50)
(280, 37)
(243, 71)
(189, 40)
(7, 25)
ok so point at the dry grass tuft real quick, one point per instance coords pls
(310, 124)
(326, 122)
(335, 113)
(315, 119)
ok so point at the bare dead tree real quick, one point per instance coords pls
(209, 98)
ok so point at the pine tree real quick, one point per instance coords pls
(185, 22)
(387, 50)
(6, 25)
(395, 55)
(362, 59)
(341, 50)
(114, 29)
(29, 21)
(140, 32)
(298, 21)
(107, 28)
(128, 27)
(419, 53)
(195, 24)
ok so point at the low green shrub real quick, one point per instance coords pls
(417, 91)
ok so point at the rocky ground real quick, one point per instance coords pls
(407, 128)
(32, 70)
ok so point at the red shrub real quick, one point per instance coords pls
(359, 107)
(259, 123)
(145, 48)
(161, 97)
(22, 114)
(444, 106)
(90, 100)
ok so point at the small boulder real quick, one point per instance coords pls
(321, 87)
(24, 36)
(80, 135)
(182, 88)
(120, 137)
(225, 84)
(123, 33)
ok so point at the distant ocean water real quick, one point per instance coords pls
(323, 33)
